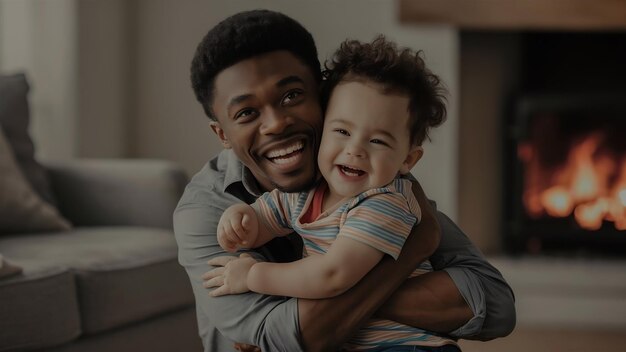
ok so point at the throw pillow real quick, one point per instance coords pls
(7, 269)
(14, 119)
(21, 209)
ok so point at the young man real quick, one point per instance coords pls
(381, 102)
(257, 75)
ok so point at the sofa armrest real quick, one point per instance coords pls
(105, 192)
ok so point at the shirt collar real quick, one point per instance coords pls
(238, 173)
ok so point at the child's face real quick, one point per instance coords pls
(366, 141)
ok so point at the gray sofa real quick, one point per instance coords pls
(113, 282)
(106, 280)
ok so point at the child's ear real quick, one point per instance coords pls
(215, 126)
(415, 154)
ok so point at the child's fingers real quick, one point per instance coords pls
(219, 271)
(214, 282)
(239, 232)
(224, 238)
(246, 222)
(220, 291)
(234, 238)
(220, 261)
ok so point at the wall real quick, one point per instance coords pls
(487, 76)
(36, 38)
(171, 125)
(111, 78)
(104, 83)
(77, 57)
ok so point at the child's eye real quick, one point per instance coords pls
(342, 131)
(378, 141)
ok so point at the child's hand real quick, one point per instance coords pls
(230, 276)
(238, 227)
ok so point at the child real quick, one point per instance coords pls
(380, 103)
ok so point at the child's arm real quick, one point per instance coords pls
(369, 231)
(318, 276)
(240, 227)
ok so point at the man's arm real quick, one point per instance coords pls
(325, 324)
(269, 322)
(467, 297)
(474, 276)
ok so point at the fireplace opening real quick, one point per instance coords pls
(565, 146)
(569, 174)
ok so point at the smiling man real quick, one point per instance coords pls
(277, 88)
(257, 77)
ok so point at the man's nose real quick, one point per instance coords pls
(274, 121)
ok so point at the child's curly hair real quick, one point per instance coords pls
(397, 70)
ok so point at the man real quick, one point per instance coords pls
(257, 76)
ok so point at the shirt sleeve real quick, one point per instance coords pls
(481, 284)
(274, 210)
(269, 322)
(382, 221)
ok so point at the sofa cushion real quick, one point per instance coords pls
(21, 209)
(123, 274)
(14, 120)
(38, 308)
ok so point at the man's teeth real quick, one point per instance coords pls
(285, 160)
(285, 151)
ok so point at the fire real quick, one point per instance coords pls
(591, 185)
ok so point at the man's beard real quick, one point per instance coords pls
(298, 188)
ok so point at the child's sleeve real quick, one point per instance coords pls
(273, 210)
(382, 221)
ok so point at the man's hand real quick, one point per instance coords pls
(238, 228)
(230, 276)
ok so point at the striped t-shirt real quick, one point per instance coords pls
(381, 218)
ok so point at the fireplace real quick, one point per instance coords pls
(564, 153)
(565, 173)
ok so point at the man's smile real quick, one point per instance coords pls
(282, 155)
(286, 156)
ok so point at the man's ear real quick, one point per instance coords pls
(217, 129)
(415, 154)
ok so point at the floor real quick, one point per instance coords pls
(573, 305)
(551, 340)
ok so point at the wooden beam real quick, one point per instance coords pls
(593, 15)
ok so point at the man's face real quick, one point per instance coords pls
(268, 112)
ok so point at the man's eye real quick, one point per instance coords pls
(245, 114)
(342, 131)
(292, 97)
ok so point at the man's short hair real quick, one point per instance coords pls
(397, 70)
(243, 36)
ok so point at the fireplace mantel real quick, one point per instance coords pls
(571, 15)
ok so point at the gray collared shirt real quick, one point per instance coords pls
(271, 322)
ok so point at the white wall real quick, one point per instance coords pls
(104, 81)
(111, 78)
(34, 39)
(171, 124)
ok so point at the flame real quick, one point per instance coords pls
(590, 185)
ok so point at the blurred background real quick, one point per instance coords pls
(110, 79)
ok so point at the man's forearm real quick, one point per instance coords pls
(328, 323)
(430, 301)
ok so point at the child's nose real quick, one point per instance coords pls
(355, 151)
